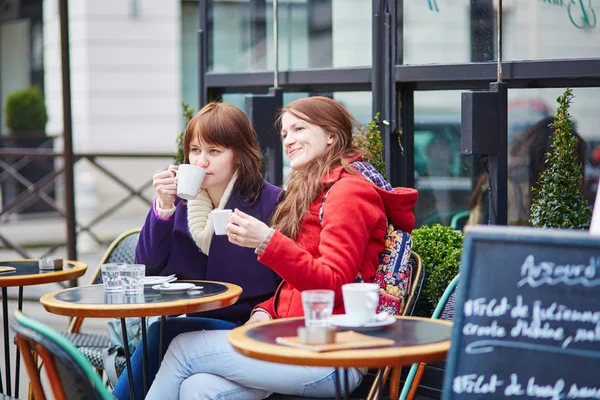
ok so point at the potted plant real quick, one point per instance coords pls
(559, 203)
(26, 118)
(369, 139)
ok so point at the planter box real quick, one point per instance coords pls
(34, 170)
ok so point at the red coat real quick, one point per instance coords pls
(350, 241)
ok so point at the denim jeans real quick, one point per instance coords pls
(203, 365)
(174, 327)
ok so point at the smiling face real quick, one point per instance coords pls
(303, 142)
(219, 163)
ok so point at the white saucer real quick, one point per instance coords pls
(156, 280)
(344, 322)
(174, 288)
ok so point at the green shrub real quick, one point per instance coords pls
(440, 248)
(369, 139)
(26, 112)
(559, 203)
(188, 113)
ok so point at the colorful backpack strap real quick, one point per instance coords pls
(321, 210)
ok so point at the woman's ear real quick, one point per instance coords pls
(330, 139)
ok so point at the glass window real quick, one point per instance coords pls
(448, 31)
(189, 53)
(538, 30)
(312, 34)
(442, 175)
(530, 112)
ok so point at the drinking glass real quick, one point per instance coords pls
(132, 276)
(111, 277)
(318, 306)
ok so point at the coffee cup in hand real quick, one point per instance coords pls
(189, 181)
(360, 302)
(220, 218)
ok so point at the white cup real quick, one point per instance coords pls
(189, 181)
(220, 218)
(360, 301)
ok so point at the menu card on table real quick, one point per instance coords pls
(527, 321)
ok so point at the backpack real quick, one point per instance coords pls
(394, 272)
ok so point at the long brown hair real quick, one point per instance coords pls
(225, 125)
(305, 185)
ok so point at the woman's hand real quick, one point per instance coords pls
(166, 187)
(245, 230)
(258, 316)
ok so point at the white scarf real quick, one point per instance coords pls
(199, 218)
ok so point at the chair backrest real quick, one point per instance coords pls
(416, 283)
(121, 250)
(70, 375)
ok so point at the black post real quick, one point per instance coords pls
(68, 134)
(402, 157)
(262, 112)
(384, 81)
(202, 52)
(498, 164)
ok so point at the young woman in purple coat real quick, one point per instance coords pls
(178, 236)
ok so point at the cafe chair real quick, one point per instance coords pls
(69, 374)
(97, 348)
(417, 280)
(445, 311)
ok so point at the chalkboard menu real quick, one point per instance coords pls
(527, 322)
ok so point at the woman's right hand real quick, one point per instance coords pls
(165, 184)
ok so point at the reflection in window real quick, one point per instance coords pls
(449, 31)
(442, 175)
(530, 113)
(539, 30)
(312, 34)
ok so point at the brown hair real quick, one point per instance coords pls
(305, 185)
(225, 125)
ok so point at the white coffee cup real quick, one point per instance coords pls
(360, 301)
(220, 218)
(189, 181)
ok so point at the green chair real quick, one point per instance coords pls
(459, 220)
(70, 375)
(444, 310)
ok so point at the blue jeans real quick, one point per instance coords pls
(174, 327)
(203, 365)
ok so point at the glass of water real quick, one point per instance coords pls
(318, 306)
(111, 277)
(132, 276)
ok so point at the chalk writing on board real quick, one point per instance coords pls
(515, 386)
(540, 273)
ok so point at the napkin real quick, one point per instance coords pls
(6, 268)
(347, 340)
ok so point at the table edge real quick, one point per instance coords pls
(78, 270)
(192, 305)
(376, 357)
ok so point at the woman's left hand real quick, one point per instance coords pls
(245, 230)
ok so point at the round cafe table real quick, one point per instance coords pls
(27, 273)
(416, 340)
(93, 302)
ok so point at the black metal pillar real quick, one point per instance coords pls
(383, 84)
(262, 111)
(402, 162)
(68, 133)
(498, 164)
(203, 52)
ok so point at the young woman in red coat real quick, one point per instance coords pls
(305, 252)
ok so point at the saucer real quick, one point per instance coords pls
(343, 321)
(174, 288)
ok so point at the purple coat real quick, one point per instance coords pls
(166, 247)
